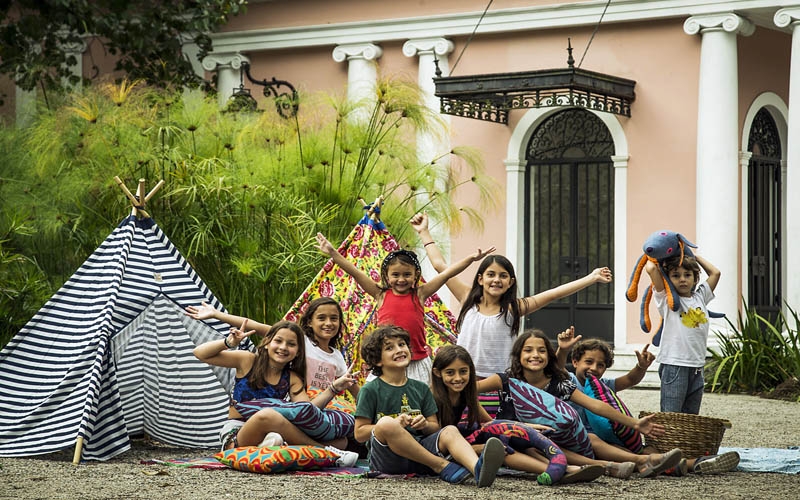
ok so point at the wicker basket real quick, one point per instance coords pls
(695, 435)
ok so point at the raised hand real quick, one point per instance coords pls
(324, 245)
(567, 339)
(239, 334)
(346, 381)
(419, 221)
(644, 359)
(203, 311)
(602, 275)
(480, 254)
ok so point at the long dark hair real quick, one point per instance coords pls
(444, 358)
(509, 304)
(257, 378)
(305, 320)
(551, 369)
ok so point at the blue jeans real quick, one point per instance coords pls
(681, 388)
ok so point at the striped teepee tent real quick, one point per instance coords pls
(366, 246)
(110, 355)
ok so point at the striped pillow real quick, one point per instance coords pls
(608, 431)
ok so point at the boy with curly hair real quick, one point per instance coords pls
(396, 417)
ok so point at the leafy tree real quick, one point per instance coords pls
(145, 37)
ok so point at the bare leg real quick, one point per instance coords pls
(451, 441)
(400, 441)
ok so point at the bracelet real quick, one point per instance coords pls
(225, 341)
(640, 366)
(333, 388)
(429, 243)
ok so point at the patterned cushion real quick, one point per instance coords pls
(277, 458)
(536, 406)
(608, 431)
(340, 402)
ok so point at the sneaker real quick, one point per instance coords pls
(346, 458)
(716, 464)
(489, 462)
(622, 470)
(271, 439)
(679, 470)
(454, 473)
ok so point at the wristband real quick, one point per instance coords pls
(429, 243)
(225, 341)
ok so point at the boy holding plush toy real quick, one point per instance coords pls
(682, 353)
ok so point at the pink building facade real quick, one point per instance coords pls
(706, 151)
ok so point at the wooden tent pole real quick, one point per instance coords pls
(133, 200)
(138, 201)
(153, 191)
(76, 459)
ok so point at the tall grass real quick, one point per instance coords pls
(758, 355)
(245, 192)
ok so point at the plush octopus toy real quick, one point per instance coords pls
(658, 247)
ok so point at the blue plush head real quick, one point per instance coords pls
(665, 244)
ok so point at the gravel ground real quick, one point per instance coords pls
(756, 423)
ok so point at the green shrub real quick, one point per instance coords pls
(758, 355)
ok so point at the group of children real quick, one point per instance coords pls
(418, 414)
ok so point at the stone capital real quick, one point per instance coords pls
(787, 17)
(436, 46)
(233, 60)
(728, 22)
(368, 51)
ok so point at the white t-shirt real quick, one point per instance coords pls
(322, 368)
(685, 334)
(488, 340)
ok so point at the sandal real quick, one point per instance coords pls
(585, 474)
(619, 470)
(668, 461)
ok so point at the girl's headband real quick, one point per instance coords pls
(393, 255)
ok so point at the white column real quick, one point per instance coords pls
(790, 17)
(717, 219)
(516, 219)
(620, 264)
(362, 70)
(428, 147)
(229, 69)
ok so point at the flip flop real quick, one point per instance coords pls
(585, 474)
(668, 461)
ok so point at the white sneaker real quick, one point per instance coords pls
(346, 458)
(271, 439)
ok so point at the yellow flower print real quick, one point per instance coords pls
(694, 318)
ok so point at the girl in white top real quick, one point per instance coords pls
(490, 309)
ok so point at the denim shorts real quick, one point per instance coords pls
(383, 459)
(681, 388)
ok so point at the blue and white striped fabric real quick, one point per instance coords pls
(110, 355)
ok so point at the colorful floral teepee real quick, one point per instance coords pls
(366, 246)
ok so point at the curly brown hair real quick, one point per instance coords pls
(372, 348)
